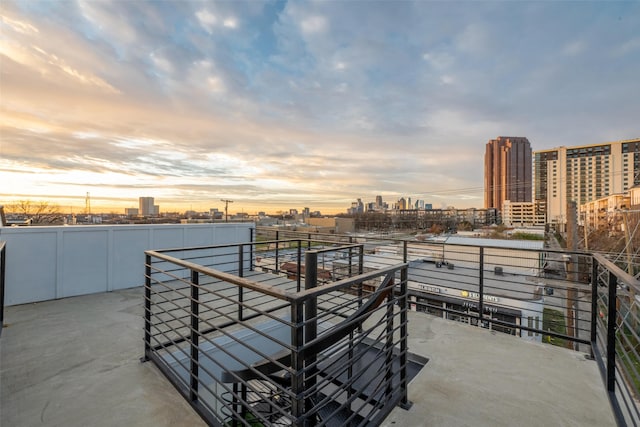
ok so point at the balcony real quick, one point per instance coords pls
(76, 361)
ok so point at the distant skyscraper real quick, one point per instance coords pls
(147, 208)
(378, 202)
(402, 204)
(507, 171)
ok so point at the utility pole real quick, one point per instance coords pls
(226, 209)
(586, 234)
(627, 241)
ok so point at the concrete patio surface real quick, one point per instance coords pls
(75, 362)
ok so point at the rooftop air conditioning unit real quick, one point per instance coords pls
(498, 271)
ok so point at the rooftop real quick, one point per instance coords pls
(76, 362)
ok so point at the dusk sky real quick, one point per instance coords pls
(283, 104)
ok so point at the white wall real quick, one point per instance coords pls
(46, 263)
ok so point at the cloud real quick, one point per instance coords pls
(19, 26)
(230, 23)
(323, 101)
(313, 24)
(574, 48)
(627, 47)
(207, 19)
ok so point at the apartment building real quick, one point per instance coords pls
(522, 214)
(582, 174)
(604, 213)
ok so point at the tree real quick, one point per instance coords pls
(39, 212)
(436, 229)
(465, 226)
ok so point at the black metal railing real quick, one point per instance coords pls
(271, 333)
(551, 296)
(539, 295)
(616, 337)
(3, 266)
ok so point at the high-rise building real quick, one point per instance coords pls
(402, 204)
(583, 173)
(147, 208)
(507, 171)
(379, 202)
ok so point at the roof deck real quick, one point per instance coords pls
(76, 362)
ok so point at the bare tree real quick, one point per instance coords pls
(39, 212)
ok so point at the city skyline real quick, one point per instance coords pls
(277, 105)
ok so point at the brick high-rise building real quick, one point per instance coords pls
(507, 171)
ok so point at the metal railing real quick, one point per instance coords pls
(270, 333)
(539, 295)
(3, 266)
(616, 337)
(550, 296)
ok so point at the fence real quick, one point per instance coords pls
(251, 334)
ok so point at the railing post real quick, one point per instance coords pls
(311, 325)
(309, 241)
(277, 249)
(594, 302)
(297, 364)
(404, 251)
(195, 329)
(481, 288)
(404, 347)
(240, 288)
(388, 347)
(251, 261)
(611, 332)
(147, 307)
(360, 285)
(299, 267)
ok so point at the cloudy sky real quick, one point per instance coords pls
(286, 104)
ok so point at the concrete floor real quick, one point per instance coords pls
(75, 362)
(476, 377)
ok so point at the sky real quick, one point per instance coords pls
(286, 104)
